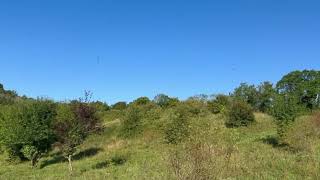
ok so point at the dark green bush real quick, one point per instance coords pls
(26, 129)
(239, 114)
(178, 128)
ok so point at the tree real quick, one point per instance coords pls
(247, 93)
(165, 101)
(239, 114)
(7, 96)
(26, 129)
(75, 122)
(141, 101)
(302, 85)
(285, 109)
(266, 94)
(119, 106)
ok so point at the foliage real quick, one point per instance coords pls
(260, 97)
(302, 85)
(219, 104)
(165, 101)
(178, 128)
(27, 126)
(285, 110)
(6, 96)
(131, 124)
(246, 93)
(75, 122)
(30, 152)
(141, 101)
(119, 106)
(100, 106)
(266, 93)
(239, 114)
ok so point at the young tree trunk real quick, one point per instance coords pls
(34, 160)
(70, 164)
(33, 163)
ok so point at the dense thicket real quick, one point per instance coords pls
(26, 129)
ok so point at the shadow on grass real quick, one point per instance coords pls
(102, 165)
(59, 158)
(116, 160)
(55, 160)
(87, 153)
(274, 141)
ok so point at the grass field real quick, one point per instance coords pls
(243, 153)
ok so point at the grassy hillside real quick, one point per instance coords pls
(213, 152)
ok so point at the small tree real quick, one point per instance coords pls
(266, 94)
(75, 122)
(239, 114)
(285, 110)
(26, 129)
(247, 93)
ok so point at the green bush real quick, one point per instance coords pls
(285, 110)
(219, 104)
(27, 124)
(178, 128)
(131, 124)
(239, 114)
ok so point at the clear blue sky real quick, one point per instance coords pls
(123, 49)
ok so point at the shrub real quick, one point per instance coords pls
(178, 128)
(195, 107)
(239, 114)
(285, 110)
(219, 104)
(131, 124)
(26, 129)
